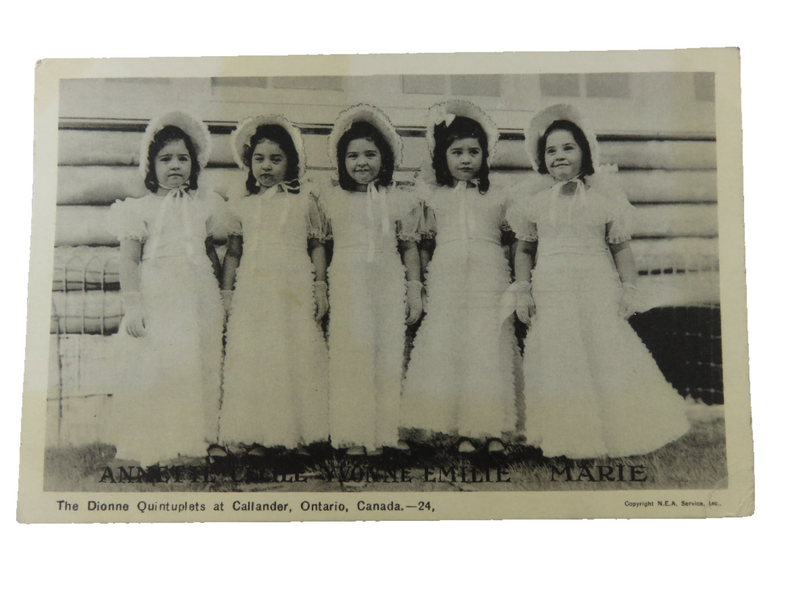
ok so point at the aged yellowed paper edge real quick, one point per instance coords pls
(736, 500)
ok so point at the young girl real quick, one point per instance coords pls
(372, 296)
(460, 379)
(173, 321)
(591, 387)
(275, 390)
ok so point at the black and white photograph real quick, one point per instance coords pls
(296, 290)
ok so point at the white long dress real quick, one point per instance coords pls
(592, 388)
(168, 400)
(275, 390)
(460, 378)
(367, 323)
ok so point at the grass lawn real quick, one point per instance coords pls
(696, 461)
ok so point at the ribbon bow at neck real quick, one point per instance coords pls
(179, 198)
(555, 191)
(265, 198)
(374, 196)
(466, 216)
(269, 195)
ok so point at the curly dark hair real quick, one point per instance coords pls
(277, 134)
(580, 138)
(443, 136)
(362, 130)
(169, 133)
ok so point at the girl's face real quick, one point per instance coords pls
(464, 159)
(363, 162)
(562, 155)
(269, 163)
(173, 165)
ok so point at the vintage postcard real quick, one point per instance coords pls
(419, 287)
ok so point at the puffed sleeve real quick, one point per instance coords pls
(428, 224)
(319, 227)
(322, 191)
(235, 198)
(221, 221)
(519, 220)
(234, 208)
(620, 218)
(410, 213)
(128, 220)
(424, 193)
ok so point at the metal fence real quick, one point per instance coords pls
(680, 326)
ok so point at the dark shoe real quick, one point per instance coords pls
(217, 451)
(257, 450)
(465, 446)
(495, 447)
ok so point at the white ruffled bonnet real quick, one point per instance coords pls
(192, 126)
(369, 114)
(545, 118)
(446, 111)
(240, 138)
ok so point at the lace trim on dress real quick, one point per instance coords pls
(618, 239)
(408, 237)
(127, 221)
(519, 221)
(179, 197)
(319, 227)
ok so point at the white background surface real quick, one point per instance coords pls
(565, 559)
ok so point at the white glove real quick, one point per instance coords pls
(134, 314)
(526, 308)
(627, 301)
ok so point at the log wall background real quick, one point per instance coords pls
(671, 181)
(661, 137)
